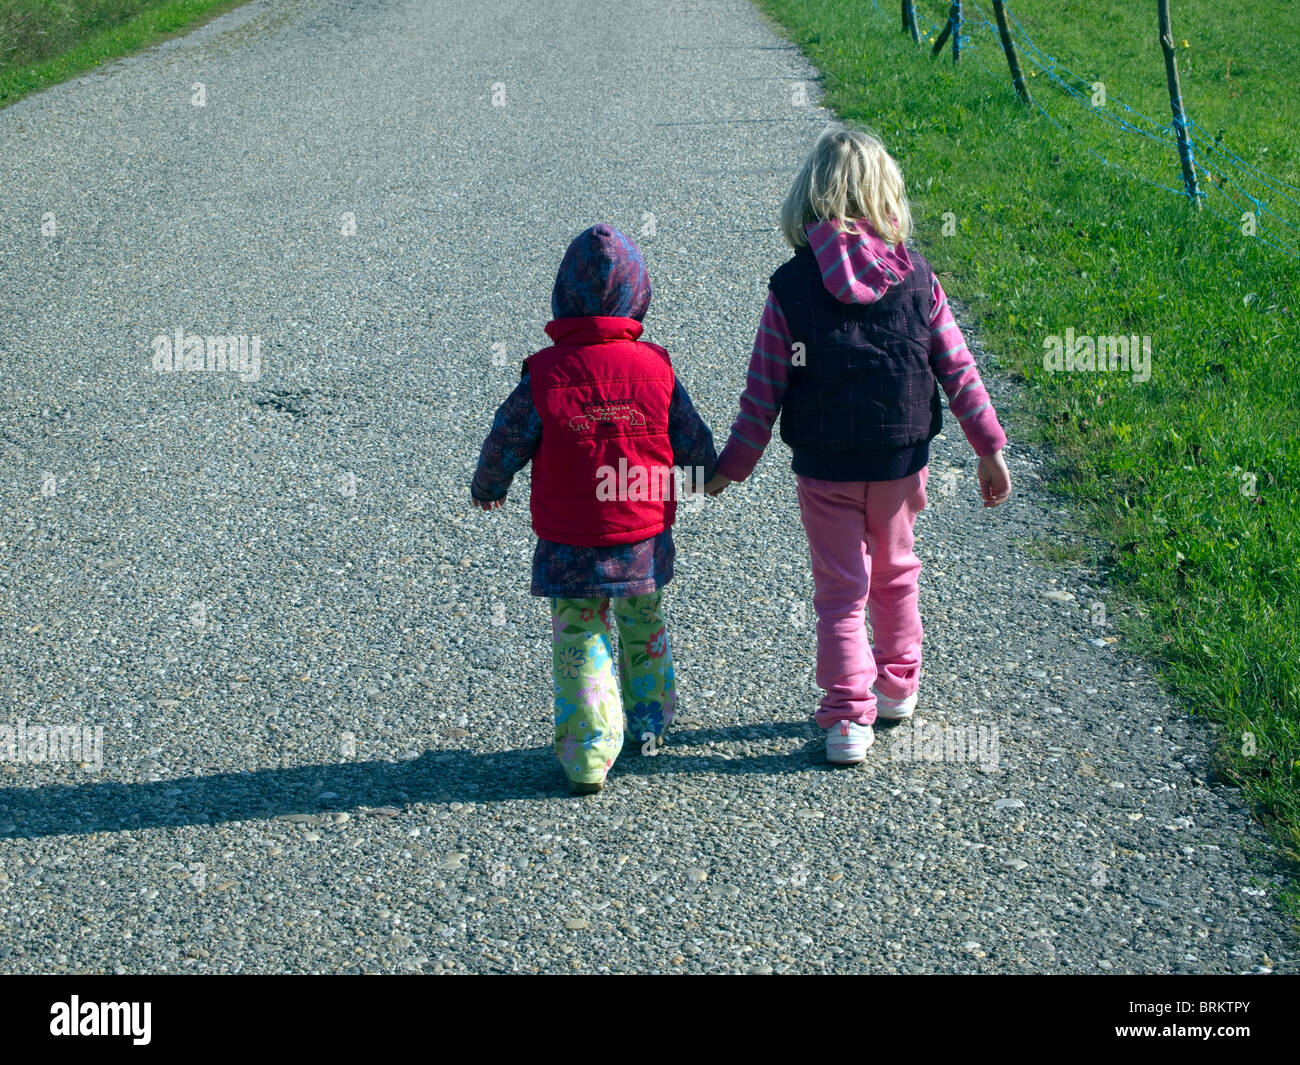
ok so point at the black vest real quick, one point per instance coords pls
(865, 382)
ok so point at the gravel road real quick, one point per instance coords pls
(322, 686)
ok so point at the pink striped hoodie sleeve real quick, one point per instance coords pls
(954, 367)
(765, 385)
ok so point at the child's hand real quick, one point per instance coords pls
(488, 504)
(994, 479)
(717, 485)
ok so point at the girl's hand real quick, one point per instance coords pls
(994, 479)
(488, 504)
(717, 485)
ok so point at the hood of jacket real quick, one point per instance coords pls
(603, 274)
(857, 266)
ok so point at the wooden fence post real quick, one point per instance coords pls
(909, 20)
(1176, 104)
(953, 27)
(1013, 60)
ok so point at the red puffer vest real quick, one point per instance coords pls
(603, 396)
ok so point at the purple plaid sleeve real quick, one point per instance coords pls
(691, 439)
(516, 432)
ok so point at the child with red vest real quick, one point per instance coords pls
(854, 342)
(606, 424)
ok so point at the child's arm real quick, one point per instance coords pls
(969, 402)
(516, 432)
(691, 439)
(760, 404)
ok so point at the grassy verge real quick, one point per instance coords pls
(1193, 475)
(43, 42)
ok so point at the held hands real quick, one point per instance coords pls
(994, 479)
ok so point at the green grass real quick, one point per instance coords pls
(43, 42)
(1205, 574)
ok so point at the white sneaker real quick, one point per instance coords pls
(847, 742)
(888, 709)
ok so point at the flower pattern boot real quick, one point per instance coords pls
(588, 714)
(645, 667)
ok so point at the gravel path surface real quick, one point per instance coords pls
(323, 688)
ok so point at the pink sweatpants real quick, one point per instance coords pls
(860, 540)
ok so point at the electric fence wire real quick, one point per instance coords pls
(1234, 171)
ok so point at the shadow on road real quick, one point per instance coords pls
(434, 777)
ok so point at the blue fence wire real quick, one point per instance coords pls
(1231, 189)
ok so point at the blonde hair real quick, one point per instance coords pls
(847, 176)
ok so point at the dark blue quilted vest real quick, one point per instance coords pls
(866, 382)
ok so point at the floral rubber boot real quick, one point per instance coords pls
(645, 668)
(588, 714)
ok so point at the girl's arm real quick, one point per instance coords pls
(516, 432)
(954, 366)
(760, 404)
